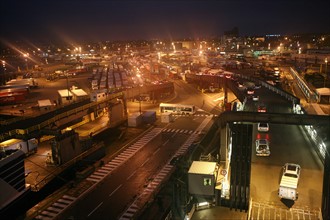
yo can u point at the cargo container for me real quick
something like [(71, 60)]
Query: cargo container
[(134, 120), (167, 117), (149, 117)]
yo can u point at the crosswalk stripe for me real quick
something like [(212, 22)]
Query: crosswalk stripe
[(93, 180), (132, 210), (50, 208), (64, 201), (108, 167), (48, 213), (100, 173), (43, 217), (103, 171), (59, 205), (69, 197), (95, 176)]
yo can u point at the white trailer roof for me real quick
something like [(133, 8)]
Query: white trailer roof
[(289, 182), (202, 167), (44, 103), (64, 93), (79, 92)]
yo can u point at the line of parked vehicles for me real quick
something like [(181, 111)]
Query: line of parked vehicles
[(288, 188)]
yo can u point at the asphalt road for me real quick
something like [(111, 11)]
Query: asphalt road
[(110, 198)]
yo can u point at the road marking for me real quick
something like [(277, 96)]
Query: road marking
[(156, 151), (115, 190), (131, 175), (144, 162), (165, 142), (95, 209)]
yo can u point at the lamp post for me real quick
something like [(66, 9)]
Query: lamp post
[(4, 66), (326, 73), (140, 107), (67, 85), (26, 55)]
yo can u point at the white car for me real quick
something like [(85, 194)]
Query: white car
[(263, 127), (262, 147)]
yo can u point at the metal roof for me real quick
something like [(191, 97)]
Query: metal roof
[(202, 167)]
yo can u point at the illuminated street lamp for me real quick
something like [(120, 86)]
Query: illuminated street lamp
[(26, 55), (4, 66), (326, 73)]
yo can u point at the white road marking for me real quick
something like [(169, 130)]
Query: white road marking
[(156, 151), (95, 209), (115, 190), (131, 175), (165, 142), (144, 162)]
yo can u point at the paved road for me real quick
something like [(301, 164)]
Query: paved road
[(133, 172)]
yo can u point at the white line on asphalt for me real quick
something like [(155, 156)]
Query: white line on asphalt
[(115, 190), (131, 175), (144, 162), (95, 209), (165, 142), (156, 151)]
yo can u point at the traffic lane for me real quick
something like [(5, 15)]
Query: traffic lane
[(140, 177), (273, 102), (189, 122), (287, 144), (122, 196), (119, 177)]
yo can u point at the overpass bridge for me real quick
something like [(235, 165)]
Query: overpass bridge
[(273, 118)]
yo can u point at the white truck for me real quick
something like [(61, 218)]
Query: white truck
[(289, 182)]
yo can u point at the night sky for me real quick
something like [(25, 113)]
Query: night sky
[(95, 20)]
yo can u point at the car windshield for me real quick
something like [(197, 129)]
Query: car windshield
[(291, 167), (262, 147), (263, 125)]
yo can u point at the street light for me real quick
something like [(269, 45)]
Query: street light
[(4, 66), (326, 73), (26, 55)]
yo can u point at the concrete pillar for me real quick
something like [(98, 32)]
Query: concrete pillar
[(224, 145)]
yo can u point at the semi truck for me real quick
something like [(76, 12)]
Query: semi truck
[(28, 147), (289, 182)]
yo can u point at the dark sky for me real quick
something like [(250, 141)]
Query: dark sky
[(95, 20)]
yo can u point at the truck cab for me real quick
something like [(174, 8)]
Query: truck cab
[(289, 182)]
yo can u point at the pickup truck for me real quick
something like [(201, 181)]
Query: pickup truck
[(289, 182)]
